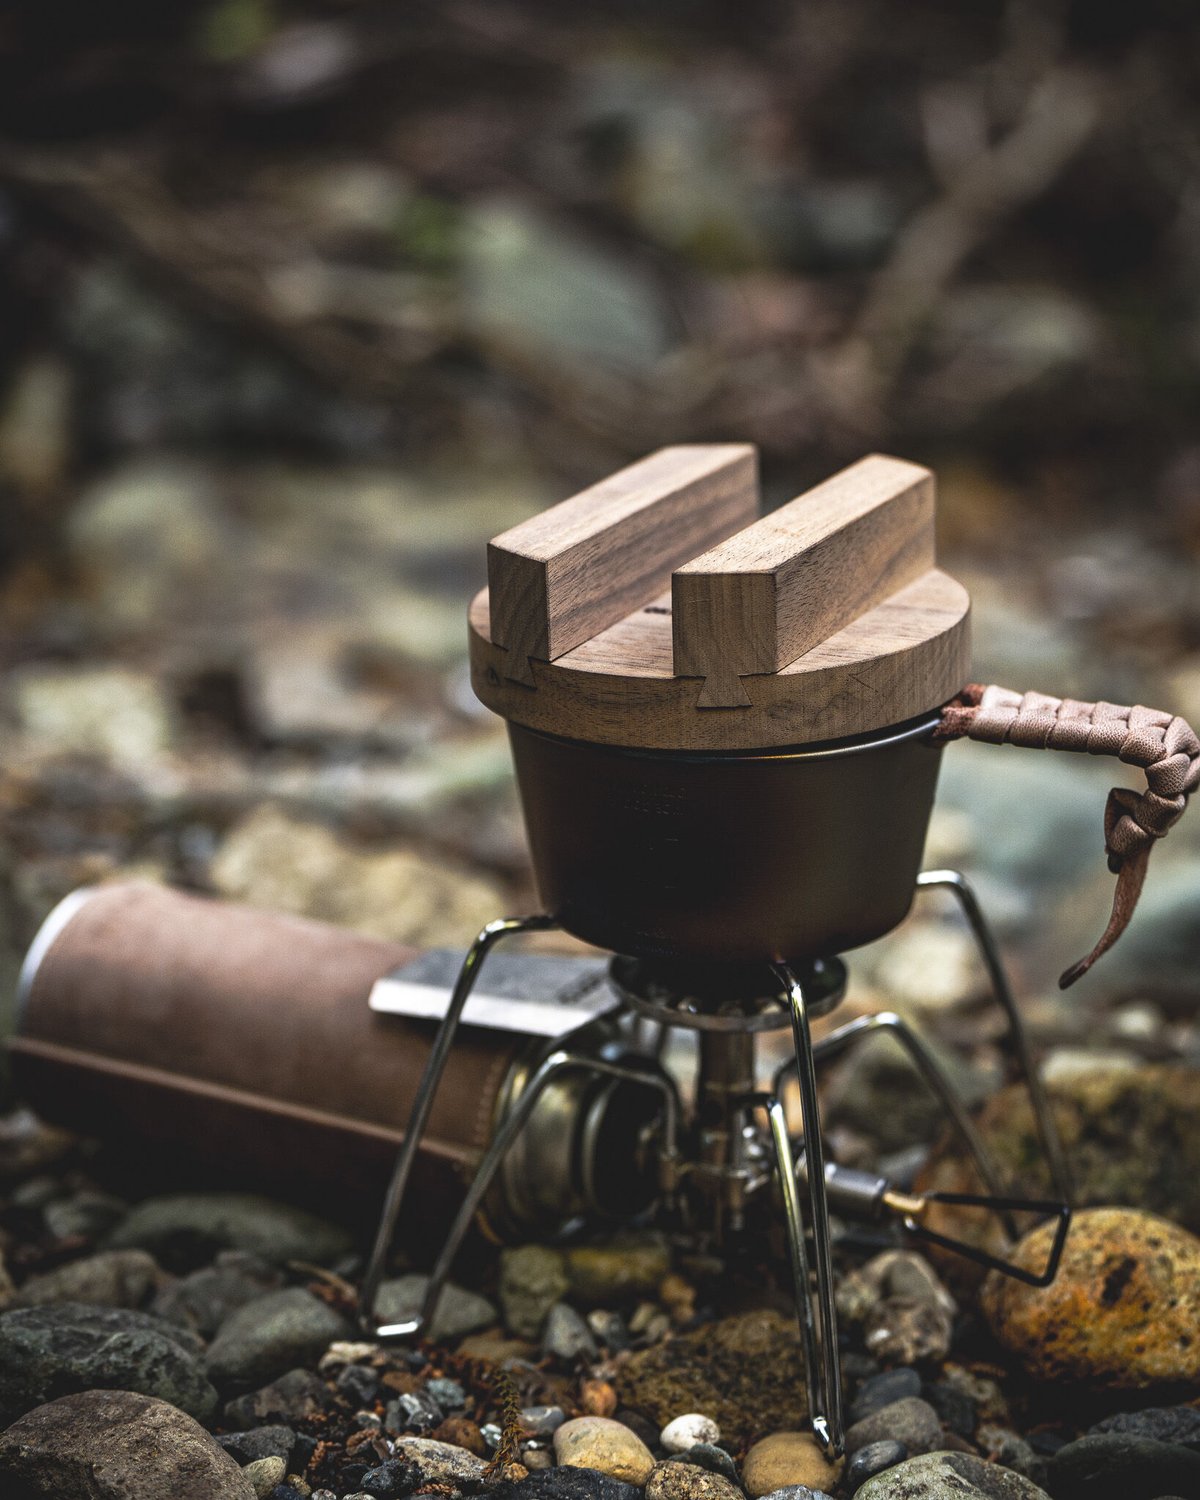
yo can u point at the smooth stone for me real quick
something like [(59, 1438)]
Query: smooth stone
[(787, 1458), (205, 1299), (532, 1279), (910, 1421), (797, 1492), (1010, 1450), (439, 1463), (259, 1442), (566, 1336), (1166, 1424), (676, 1481), (568, 1484), (459, 1311), (1122, 1312), (958, 1412), (185, 1230), (541, 1421), (603, 1444), (110, 1278), (448, 1393), (276, 1333), (715, 1460), (628, 1265), (1120, 1466), (264, 1474), (288, 1400), (881, 1390), (115, 1445), (949, 1476), (874, 1459), (48, 1351), (685, 1432)]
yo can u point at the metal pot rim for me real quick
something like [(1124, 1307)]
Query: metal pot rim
[(893, 734)]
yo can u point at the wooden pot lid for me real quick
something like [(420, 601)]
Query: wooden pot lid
[(659, 610)]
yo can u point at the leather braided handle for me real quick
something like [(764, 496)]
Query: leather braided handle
[(1163, 745)]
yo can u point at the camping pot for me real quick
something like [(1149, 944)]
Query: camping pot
[(789, 854)]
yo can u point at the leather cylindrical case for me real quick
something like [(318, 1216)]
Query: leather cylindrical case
[(237, 1045)]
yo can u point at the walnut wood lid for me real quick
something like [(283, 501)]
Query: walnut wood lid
[(658, 610)]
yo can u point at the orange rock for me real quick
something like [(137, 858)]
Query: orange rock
[(597, 1398), (1123, 1312)]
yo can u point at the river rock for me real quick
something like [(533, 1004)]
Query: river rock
[(1120, 1466), (788, 1458), (115, 1445), (264, 1474), (440, 1463), (682, 1433), (288, 1400), (746, 1372), (910, 1421), (532, 1280), (277, 1332), (186, 1230), (600, 1443), (676, 1481), (1132, 1138), (568, 1484), (459, 1311), (620, 1268), (566, 1336), (45, 1351), (1166, 1424), (874, 1459), (878, 1391), (1122, 1312), (949, 1476), (260, 1442), (205, 1299), (111, 1278)]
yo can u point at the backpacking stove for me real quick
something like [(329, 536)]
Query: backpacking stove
[(726, 732)]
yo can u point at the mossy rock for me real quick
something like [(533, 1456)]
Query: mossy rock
[(746, 1372)]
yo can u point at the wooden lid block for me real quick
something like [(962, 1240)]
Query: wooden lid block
[(762, 598), (563, 576), (656, 611)]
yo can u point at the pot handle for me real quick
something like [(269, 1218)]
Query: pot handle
[(1162, 744)]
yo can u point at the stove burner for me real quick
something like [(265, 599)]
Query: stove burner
[(722, 997)]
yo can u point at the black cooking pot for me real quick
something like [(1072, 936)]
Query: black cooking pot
[(783, 854)]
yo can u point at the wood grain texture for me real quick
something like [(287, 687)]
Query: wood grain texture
[(763, 597), (561, 577), (904, 658)]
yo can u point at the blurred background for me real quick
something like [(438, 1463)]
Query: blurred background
[(301, 302)]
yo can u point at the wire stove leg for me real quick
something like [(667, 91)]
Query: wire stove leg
[(423, 1103)]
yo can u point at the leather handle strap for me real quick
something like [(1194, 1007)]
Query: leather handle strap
[(1163, 745)]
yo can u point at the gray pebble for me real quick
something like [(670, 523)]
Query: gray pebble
[(881, 1390), (949, 1476), (264, 1474), (448, 1394), (566, 1336), (873, 1459), (259, 1442), (542, 1421), (1122, 1466), (715, 1460), (910, 1421), (273, 1334), (1166, 1424)]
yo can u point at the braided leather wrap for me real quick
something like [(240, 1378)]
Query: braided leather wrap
[(1163, 745)]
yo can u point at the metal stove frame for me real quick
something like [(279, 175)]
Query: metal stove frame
[(853, 1193)]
